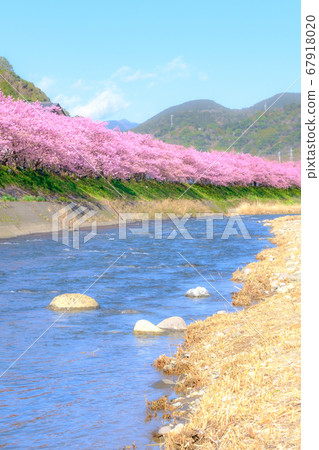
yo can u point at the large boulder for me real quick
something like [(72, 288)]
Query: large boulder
[(73, 302), (146, 327), (172, 323), (197, 292)]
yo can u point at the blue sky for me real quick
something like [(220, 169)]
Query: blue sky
[(113, 60)]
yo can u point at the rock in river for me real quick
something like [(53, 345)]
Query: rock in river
[(164, 430), (173, 323), (197, 292), (73, 302), (146, 327)]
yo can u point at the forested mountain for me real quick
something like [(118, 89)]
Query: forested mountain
[(11, 84), (205, 124)]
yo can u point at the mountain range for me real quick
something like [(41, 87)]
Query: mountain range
[(205, 124), (122, 125), (266, 128)]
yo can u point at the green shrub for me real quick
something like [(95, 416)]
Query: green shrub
[(28, 198), (62, 199), (32, 198), (8, 198)]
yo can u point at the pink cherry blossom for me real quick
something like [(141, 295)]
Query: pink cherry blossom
[(35, 138)]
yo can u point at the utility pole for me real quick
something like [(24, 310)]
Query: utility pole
[(279, 158), (172, 115), (291, 155), (265, 107)]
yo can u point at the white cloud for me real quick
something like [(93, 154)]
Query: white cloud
[(81, 85), (45, 83), (106, 102), (127, 74), (66, 101), (177, 67)]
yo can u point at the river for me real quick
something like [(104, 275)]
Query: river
[(83, 383)]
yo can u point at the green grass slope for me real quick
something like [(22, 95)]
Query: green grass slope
[(18, 184)]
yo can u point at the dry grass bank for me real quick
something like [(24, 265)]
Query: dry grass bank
[(183, 206), (244, 368), (275, 207), (178, 206)]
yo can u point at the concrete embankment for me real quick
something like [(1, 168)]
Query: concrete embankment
[(239, 373), (21, 218)]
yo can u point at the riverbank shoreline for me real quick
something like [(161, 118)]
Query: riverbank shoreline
[(27, 218), (239, 373), (22, 218)]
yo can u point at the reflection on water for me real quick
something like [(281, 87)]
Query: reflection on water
[(83, 384)]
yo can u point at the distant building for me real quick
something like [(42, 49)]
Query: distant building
[(59, 110)]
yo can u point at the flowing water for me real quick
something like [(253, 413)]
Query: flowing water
[(83, 383)]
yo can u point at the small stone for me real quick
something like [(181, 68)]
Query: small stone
[(146, 327), (167, 381), (197, 292), (164, 430), (163, 384), (173, 323)]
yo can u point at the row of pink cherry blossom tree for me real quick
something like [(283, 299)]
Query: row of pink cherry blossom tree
[(37, 138)]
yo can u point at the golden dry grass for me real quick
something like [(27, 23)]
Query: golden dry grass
[(183, 206), (162, 404), (248, 363), (179, 207), (275, 207)]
